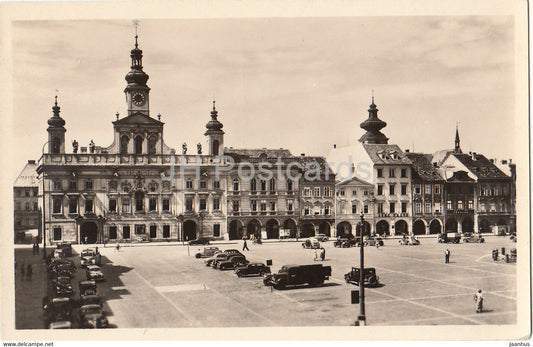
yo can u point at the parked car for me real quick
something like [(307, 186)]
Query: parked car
[(87, 288), (449, 237), (92, 316), (141, 238), (232, 262), (314, 275), (91, 300), (513, 237), (87, 252), (58, 254), (200, 241), (311, 244), (66, 247), (62, 270), (252, 269), (370, 278), (322, 237), (207, 252), (57, 309), (473, 238), (63, 286), (94, 273), (373, 240), (409, 240), (346, 241), (56, 262), (227, 257)]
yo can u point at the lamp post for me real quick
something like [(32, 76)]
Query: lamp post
[(361, 320), (44, 209)]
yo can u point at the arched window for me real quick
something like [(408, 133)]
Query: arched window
[(215, 147), (272, 184), (124, 140), (139, 144), (235, 184), (253, 185), (152, 140), (56, 145)]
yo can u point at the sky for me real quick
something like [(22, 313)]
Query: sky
[(299, 83)]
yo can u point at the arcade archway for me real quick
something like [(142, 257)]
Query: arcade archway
[(89, 232), (401, 228), (254, 228), (290, 225), (382, 228), (236, 231), (324, 228), (189, 230), (307, 230), (344, 228), (468, 225), (419, 227), (435, 227), (451, 225), (272, 229)]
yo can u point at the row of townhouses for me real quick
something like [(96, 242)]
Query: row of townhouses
[(140, 188)]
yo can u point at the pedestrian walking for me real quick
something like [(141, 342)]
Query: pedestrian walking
[(322, 253), (244, 245), (478, 300), (34, 249), (316, 255), (29, 271), (37, 248), (22, 270), (117, 248), (447, 256)]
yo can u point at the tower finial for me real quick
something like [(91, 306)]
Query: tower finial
[(214, 108), (372, 95), (56, 100), (457, 140), (136, 25)]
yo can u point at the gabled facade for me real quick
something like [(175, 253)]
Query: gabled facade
[(26, 215), (354, 197)]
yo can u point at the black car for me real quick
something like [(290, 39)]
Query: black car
[(63, 286), (369, 276), (200, 241), (252, 269), (57, 309), (92, 316)]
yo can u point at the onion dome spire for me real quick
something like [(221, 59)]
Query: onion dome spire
[(56, 121), (373, 125), (136, 76), (214, 125)]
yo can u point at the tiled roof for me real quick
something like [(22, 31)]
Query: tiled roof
[(423, 168), (256, 153), (321, 161), (386, 154), (28, 176), (481, 167)]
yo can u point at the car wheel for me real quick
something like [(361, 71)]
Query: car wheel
[(197, 255), (239, 274), (280, 284), (372, 280)]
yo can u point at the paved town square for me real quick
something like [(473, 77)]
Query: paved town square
[(164, 285)]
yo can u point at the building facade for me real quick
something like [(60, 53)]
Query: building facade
[(354, 197), (27, 216)]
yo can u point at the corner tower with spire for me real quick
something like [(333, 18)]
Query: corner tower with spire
[(373, 125), (457, 141), (56, 131), (215, 134), (137, 92)]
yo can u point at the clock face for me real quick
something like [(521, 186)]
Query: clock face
[(138, 99)]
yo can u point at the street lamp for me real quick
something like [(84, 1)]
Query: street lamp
[(361, 320), (44, 209)]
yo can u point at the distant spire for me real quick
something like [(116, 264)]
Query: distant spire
[(214, 108), (136, 24), (457, 140), (372, 95)]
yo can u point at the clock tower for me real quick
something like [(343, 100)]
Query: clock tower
[(137, 92)]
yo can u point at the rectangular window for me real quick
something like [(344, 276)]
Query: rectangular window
[(235, 185), (327, 192), (166, 205), (427, 189), (392, 172), (326, 210), (263, 206), (139, 204), (449, 205), (189, 204), (404, 189), (289, 185), (236, 206), (306, 211), (391, 188), (380, 207), (112, 232), (253, 204), (272, 185), (263, 185), (140, 229), (188, 184), (126, 205), (203, 204), (112, 205), (57, 185), (437, 189), (73, 185), (203, 184), (166, 231), (36, 206), (272, 206), (88, 205), (354, 208), (460, 205), (418, 207), (73, 205), (56, 205), (341, 192), (307, 191), (437, 207), (365, 209), (470, 204), (354, 192), (153, 231), (403, 173), (417, 189), (152, 204), (216, 230), (126, 232), (289, 205), (317, 191), (427, 207), (380, 189), (392, 207), (57, 234), (380, 172), (216, 204), (88, 185), (216, 184), (404, 207)]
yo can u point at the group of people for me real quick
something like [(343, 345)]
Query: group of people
[(320, 255), (25, 271)]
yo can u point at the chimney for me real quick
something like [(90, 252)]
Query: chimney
[(302, 154), (492, 161), (31, 161), (512, 167), (407, 150), (334, 145), (474, 156)]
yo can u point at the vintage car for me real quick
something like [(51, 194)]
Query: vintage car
[(57, 309), (66, 247), (227, 257), (449, 237), (64, 324), (61, 270), (473, 238), (232, 262), (200, 241), (370, 278), (56, 262), (87, 252), (58, 254), (63, 286), (513, 237), (207, 252), (252, 269), (346, 241), (94, 273), (91, 260), (409, 240), (92, 316), (311, 244), (87, 288), (322, 237), (373, 240), (141, 238), (291, 275), (91, 300)]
